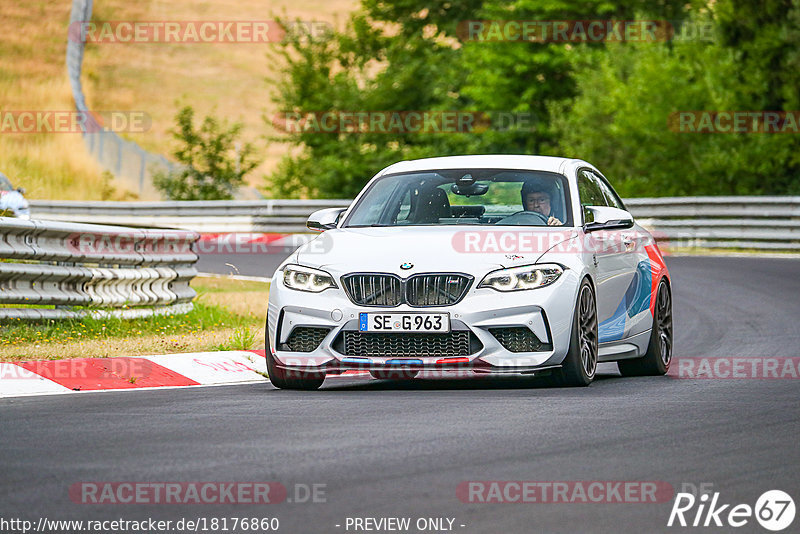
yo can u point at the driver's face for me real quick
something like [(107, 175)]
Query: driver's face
[(538, 201)]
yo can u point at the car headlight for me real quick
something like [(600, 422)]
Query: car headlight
[(525, 277), (306, 279)]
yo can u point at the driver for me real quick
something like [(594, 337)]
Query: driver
[(536, 197)]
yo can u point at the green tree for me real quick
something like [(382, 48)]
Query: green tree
[(210, 167), (367, 68), (628, 95), (606, 102), (529, 77)]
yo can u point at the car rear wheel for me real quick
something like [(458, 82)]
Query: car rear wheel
[(659, 352), (580, 365), (288, 379)]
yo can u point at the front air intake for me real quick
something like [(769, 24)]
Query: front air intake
[(407, 345), (306, 338), (519, 339)]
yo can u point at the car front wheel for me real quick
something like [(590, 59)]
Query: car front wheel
[(580, 365), (289, 379)]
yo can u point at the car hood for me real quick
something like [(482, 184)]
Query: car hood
[(468, 249)]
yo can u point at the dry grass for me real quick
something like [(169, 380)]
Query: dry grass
[(243, 298), (247, 301), (33, 78), (229, 80)]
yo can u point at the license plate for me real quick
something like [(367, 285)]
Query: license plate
[(404, 322)]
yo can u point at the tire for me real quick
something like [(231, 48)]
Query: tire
[(659, 351), (580, 365), (400, 374), (284, 379)]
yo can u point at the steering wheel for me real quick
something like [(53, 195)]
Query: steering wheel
[(524, 218)]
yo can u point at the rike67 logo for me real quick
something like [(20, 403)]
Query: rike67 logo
[(774, 510)]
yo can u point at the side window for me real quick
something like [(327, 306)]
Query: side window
[(589, 190), (590, 193), (611, 196)]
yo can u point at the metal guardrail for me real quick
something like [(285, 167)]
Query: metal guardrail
[(207, 216), (762, 223), (104, 270)]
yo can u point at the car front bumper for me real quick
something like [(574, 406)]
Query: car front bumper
[(547, 312)]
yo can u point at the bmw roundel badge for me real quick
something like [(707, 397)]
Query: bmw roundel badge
[(406, 266)]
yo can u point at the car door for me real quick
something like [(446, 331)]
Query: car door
[(638, 292), (615, 266)]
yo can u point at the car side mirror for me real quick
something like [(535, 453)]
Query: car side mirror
[(326, 219), (21, 190), (606, 218)]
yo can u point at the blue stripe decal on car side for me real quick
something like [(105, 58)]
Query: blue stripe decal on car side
[(612, 328), (641, 297), (635, 301)]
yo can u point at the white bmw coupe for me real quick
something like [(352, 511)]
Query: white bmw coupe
[(478, 264)]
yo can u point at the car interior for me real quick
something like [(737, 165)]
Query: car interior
[(430, 203)]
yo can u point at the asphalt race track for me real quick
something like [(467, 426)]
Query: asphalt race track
[(396, 449), (262, 265)]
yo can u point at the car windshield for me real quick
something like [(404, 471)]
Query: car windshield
[(464, 196)]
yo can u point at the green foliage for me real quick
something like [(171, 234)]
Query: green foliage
[(364, 69), (210, 167), (608, 103), (243, 338), (201, 318), (620, 120), (531, 76)]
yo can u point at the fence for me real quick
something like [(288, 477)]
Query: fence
[(126, 160), (208, 216), (101, 270), (762, 223)]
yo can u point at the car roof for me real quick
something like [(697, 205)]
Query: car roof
[(488, 161)]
